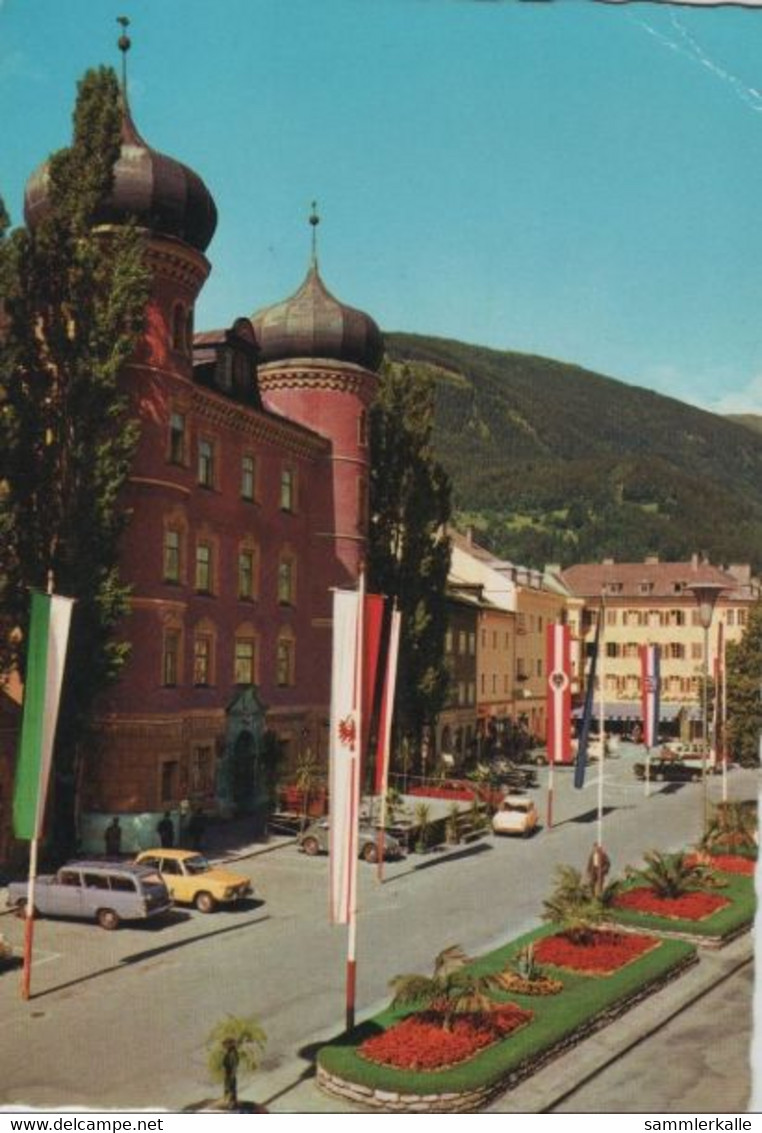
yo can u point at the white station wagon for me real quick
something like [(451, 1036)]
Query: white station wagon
[(106, 892)]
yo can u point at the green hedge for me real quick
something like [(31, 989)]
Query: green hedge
[(725, 922), (556, 1018)]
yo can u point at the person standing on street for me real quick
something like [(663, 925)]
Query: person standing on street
[(113, 839), (166, 831)]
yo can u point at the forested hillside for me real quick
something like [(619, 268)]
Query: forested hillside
[(553, 463)]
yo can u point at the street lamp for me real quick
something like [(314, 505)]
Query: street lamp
[(706, 595)]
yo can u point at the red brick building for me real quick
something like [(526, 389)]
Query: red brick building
[(248, 501)]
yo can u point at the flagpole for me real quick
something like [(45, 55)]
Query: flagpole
[(602, 724), (724, 714), (351, 981)]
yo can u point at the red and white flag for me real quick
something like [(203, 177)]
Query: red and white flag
[(356, 639), (558, 651), (650, 665)]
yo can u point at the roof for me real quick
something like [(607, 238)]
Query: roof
[(312, 323), (645, 580)]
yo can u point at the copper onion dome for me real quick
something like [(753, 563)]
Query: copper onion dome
[(314, 324), (159, 193)]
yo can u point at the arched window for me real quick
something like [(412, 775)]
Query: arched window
[(285, 659)]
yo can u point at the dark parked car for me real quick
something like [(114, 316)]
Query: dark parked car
[(670, 770), (314, 840)]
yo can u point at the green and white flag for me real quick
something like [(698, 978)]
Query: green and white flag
[(48, 634)]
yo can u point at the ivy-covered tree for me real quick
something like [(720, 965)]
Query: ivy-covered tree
[(744, 680), (409, 551), (74, 297)]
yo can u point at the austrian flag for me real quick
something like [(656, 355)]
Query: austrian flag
[(649, 692)]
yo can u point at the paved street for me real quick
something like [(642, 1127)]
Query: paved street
[(120, 1018)]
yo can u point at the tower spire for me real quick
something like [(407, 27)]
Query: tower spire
[(124, 43), (314, 221)]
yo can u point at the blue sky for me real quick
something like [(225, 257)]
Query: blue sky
[(572, 179)]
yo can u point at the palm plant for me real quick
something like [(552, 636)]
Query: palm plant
[(733, 826), (452, 990), (422, 814), (671, 875), (234, 1047), (575, 908)]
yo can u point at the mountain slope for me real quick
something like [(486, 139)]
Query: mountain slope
[(553, 462)]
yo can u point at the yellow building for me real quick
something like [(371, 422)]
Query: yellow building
[(653, 603)]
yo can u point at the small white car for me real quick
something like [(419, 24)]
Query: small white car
[(517, 815)]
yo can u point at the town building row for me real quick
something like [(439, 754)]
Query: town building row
[(248, 498)]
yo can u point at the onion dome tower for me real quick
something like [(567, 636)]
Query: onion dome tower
[(175, 208), (317, 365)]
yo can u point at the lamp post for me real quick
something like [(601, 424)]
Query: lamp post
[(706, 595)]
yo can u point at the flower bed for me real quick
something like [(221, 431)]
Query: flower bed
[(733, 911), (733, 863), (584, 1005), (694, 906), (726, 863), (602, 954), (421, 1042)]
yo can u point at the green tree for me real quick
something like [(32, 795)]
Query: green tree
[(74, 301), (744, 680), (409, 551)]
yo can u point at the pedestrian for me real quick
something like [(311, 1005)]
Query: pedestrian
[(113, 839), (166, 831), (598, 866), (196, 828)]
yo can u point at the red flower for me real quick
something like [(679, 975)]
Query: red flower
[(604, 952), (421, 1043), (693, 906), (730, 863)]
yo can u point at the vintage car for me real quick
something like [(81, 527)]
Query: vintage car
[(669, 770), (106, 892), (191, 880), (517, 815), (314, 840)]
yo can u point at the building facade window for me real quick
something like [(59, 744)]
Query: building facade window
[(285, 660), (202, 769), (288, 489), (172, 560), (287, 580), (177, 438), (247, 574), (245, 662), (248, 477), (362, 428), (170, 664), (203, 647), (204, 568), (206, 463)]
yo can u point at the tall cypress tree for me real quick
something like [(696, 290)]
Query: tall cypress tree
[(744, 682), (409, 551), (74, 297)]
